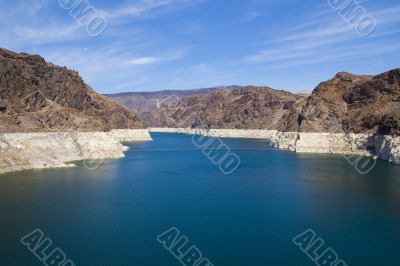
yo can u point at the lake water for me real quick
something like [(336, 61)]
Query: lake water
[(112, 216)]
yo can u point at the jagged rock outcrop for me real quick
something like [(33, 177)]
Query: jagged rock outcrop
[(243, 108), (345, 104), (388, 148), (374, 105), (350, 104), (37, 96)]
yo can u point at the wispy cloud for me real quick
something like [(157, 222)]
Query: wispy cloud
[(157, 44), (148, 60), (144, 7), (48, 34), (143, 61), (329, 39), (363, 52)]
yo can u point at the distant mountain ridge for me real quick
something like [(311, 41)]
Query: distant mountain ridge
[(347, 103), (149, 101), (37, 96), (242, 108)]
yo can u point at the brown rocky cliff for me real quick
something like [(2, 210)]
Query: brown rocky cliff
[(242, 108), (325, 108), (39, 96), (374, 105), (347, 103), (142, 102), (351, 104)]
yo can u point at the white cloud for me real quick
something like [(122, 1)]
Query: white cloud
[(143, 61), (148, 60)]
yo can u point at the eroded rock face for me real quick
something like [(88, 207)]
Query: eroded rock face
[(345, 104), (243, 108), (326, 107), (39, 96), (350, 104), (374, 106), (142, 102)]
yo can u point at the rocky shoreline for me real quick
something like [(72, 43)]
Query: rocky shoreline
[(23, 151), (381, 147)]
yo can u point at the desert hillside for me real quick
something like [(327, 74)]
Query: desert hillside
[(352, 104), (38, 96), (347, 103), (242, 108), (148, 101)]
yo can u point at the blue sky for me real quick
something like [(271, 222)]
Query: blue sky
[(185, 44)]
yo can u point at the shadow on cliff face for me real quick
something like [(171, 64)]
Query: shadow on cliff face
[(389, 126)]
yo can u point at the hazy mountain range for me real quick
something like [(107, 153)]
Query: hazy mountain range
[(148, 101)]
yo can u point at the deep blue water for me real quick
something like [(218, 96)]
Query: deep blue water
[(113, 215)]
